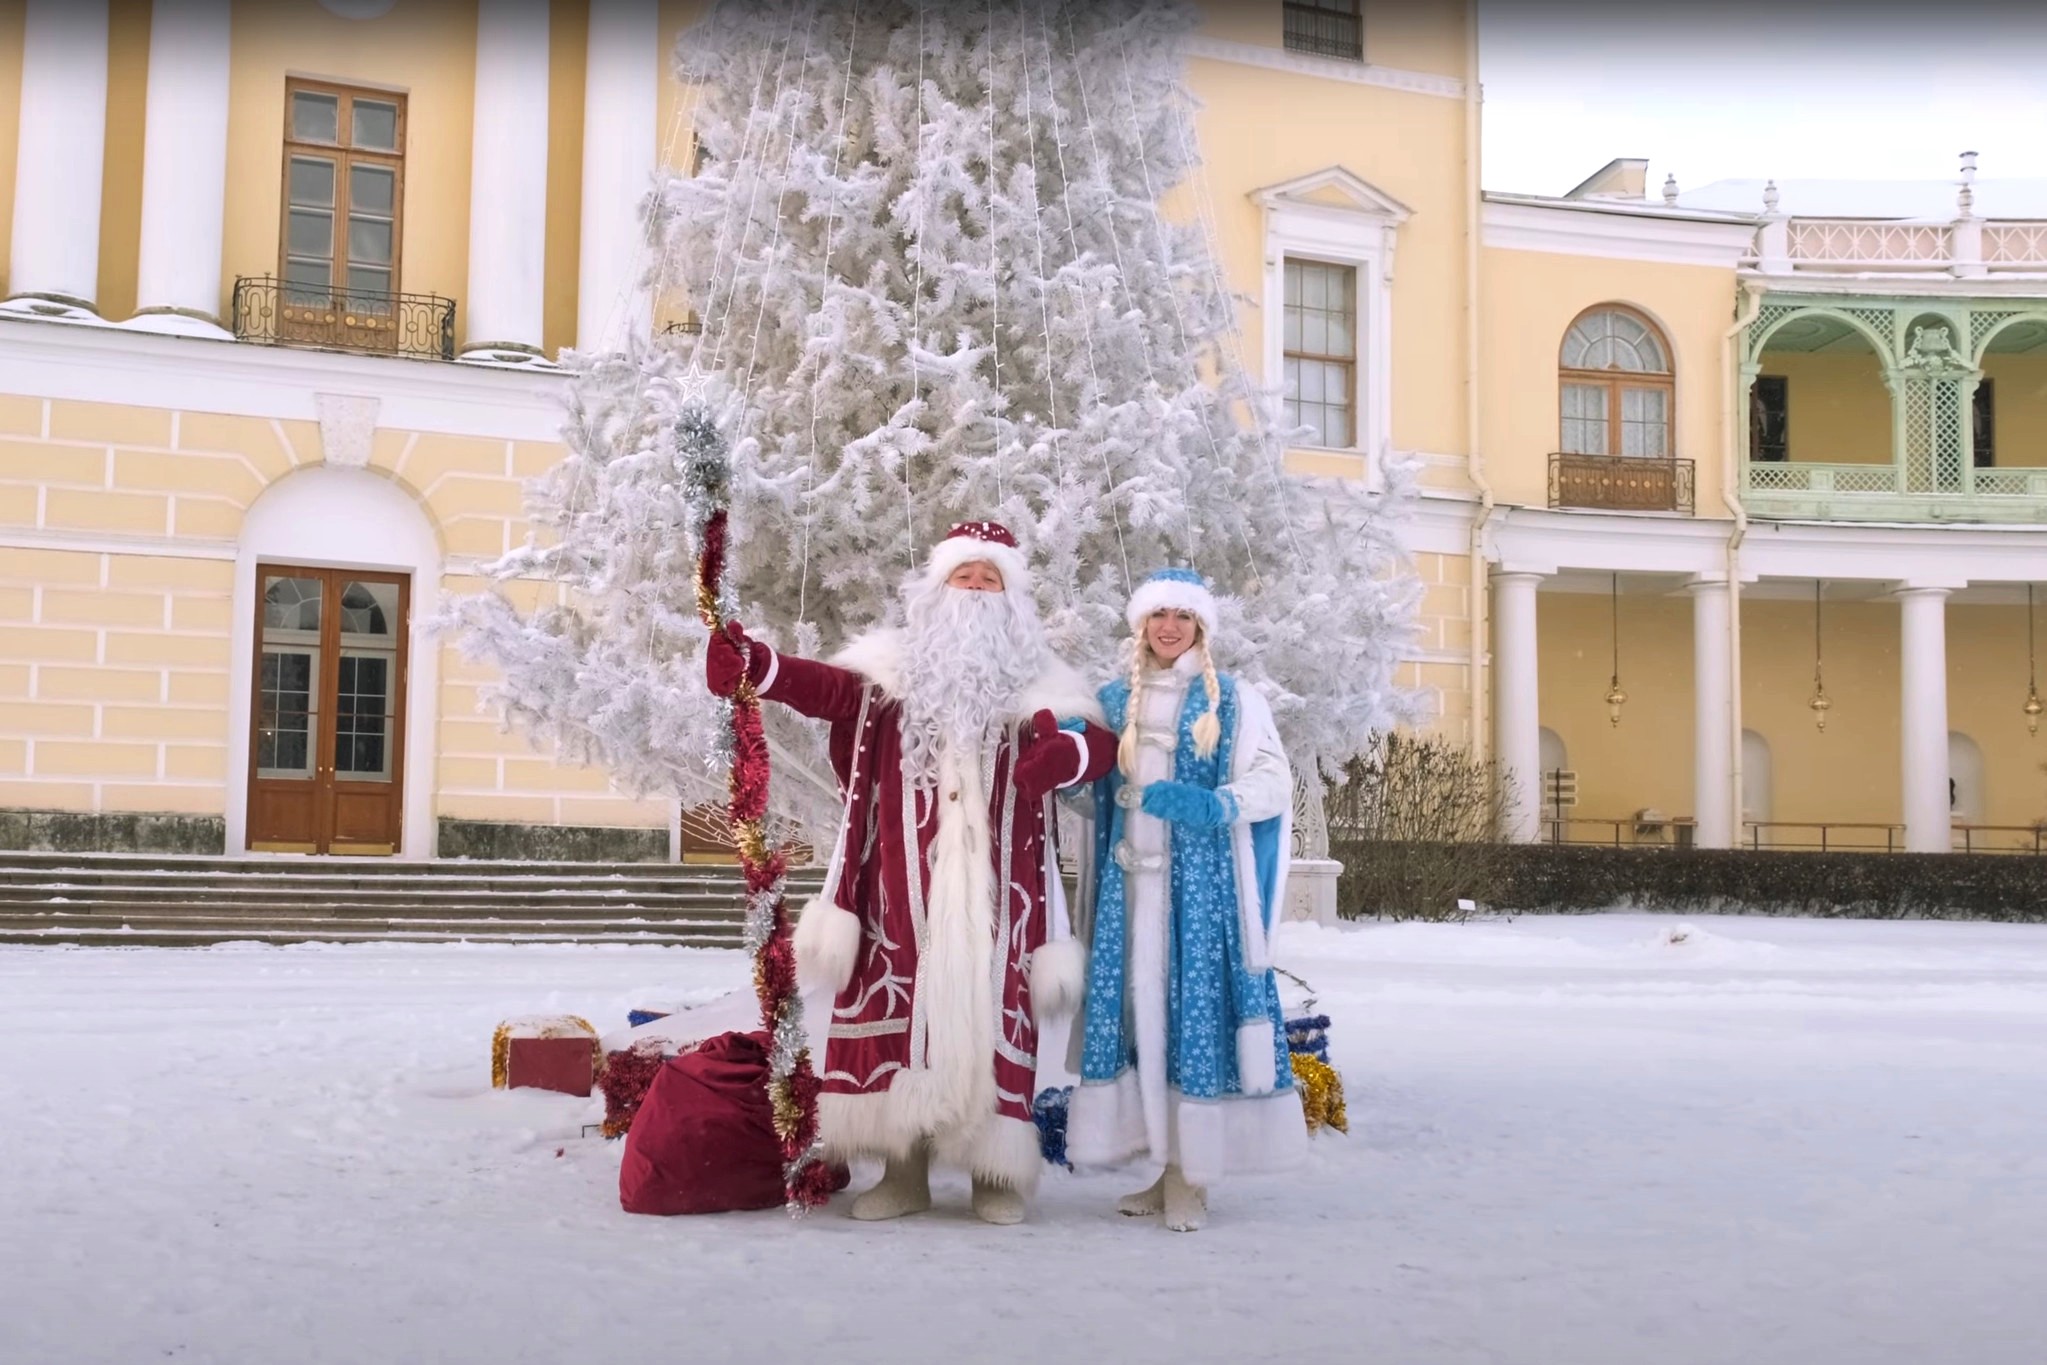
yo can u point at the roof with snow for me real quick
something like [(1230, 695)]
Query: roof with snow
[(1927, 199)]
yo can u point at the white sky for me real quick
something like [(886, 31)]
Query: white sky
[(1798, 89)]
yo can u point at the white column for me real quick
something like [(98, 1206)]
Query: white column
[(508, 183), (620, 111), (1922, 643), (55, 256), (1714, 801), (184, 170), (1517, 717)]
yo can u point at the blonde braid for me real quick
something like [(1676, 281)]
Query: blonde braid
[(1208, 731), (1126, 746)]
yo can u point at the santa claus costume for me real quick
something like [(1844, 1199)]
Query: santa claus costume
[(949, 735), (1183, 1056)]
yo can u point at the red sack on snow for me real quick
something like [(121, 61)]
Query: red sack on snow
[(703, 1140)]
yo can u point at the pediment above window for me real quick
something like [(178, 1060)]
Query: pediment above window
[(1335, 189)]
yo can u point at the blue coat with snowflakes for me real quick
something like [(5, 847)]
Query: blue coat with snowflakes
[(1182, 1047)]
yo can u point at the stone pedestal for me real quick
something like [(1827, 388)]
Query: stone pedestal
[(1311, 890)]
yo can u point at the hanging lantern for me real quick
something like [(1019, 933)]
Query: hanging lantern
[(1818, 703), (1616, 696), (2034, 706)]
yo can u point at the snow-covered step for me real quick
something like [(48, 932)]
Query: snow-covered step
[(130, 898)]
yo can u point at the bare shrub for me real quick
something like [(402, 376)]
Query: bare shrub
[(1415, 820)]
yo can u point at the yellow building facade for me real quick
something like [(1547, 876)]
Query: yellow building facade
[(1651, 431)]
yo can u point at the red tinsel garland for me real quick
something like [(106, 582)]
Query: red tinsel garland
[(793, 1096)]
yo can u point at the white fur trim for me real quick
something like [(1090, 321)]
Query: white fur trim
[(1207, 1139), (1165, 594), (950, 553), (1256, 1057), (827, 945), (774, 668), (877, 656), (1058, 979), (1079, 743), (954, 991), (999, 1150)]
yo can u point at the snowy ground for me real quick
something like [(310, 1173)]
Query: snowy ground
[(1573, 1142)]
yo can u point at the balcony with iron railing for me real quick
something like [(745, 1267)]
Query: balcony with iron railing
[(1620, 483), (273, 312)]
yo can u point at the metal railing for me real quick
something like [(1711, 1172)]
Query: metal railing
[(1629, 832), (272, 312), (1620, 483), (1830, 836), (1803, 836)]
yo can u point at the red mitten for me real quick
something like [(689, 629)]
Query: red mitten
[(726, 659), (1049, 759)]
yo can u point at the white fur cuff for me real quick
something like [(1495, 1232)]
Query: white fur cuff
[(827, 945), (1058, 978), (1256, 1058)]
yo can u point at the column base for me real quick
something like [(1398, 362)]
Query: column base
[(178, 322), (52, 307), (505, 353), (1311, 891)]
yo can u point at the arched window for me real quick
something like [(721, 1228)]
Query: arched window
[(1615, 386)]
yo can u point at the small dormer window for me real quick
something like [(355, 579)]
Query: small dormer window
[(1325, 28)]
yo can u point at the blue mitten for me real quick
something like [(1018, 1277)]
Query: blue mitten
[(1183, 803)]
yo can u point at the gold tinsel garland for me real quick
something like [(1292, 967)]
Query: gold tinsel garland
[(501, 1042), (1321, 1093)]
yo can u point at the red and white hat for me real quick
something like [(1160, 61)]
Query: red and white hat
[(980, 540)]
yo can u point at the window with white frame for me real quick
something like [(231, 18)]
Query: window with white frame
[(1321, 351)]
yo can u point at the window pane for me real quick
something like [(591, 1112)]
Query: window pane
[(1311, 382), (1290, 324), (315, 117), (369, 240), (1584, 426), (1315, 332), (291, 603), (312, 182), (307, 282), (370, 189), (376, 125), (362, 280), (369, 609), (1340, 340), (1645, 422), (1293, 283), (311, 233)]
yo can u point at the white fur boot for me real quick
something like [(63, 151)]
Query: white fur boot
[(905, 1188), (998, 1204), (1186, 1205), (1145, 1203)]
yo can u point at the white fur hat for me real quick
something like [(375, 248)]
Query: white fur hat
[(989, 541), (1173, 590)]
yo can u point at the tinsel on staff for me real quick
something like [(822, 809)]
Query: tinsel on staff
[(704, 459)]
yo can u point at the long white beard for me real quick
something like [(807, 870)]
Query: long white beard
[(969, 657)]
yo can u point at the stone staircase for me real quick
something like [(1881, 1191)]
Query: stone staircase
[(144, 900)]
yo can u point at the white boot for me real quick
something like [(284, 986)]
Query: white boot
[(1145, 1203), (1186, 1205), (998, 1204), (905, 1188)]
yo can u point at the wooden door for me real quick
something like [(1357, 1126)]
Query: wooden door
[(327, 723)]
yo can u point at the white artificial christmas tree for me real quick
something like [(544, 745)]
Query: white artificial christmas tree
[(935, 283)]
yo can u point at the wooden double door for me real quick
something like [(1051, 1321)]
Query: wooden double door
[(327, 729)]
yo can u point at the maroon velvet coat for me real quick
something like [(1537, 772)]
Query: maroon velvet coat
[(934, 1036)]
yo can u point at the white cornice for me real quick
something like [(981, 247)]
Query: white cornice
[(1901, 285), (86, 542), (1582, 230), (1326, 68), (117, 365)]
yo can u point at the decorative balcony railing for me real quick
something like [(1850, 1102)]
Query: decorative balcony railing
[(270, 311), (1810, 490), (1620, 483), (1968, 247)]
